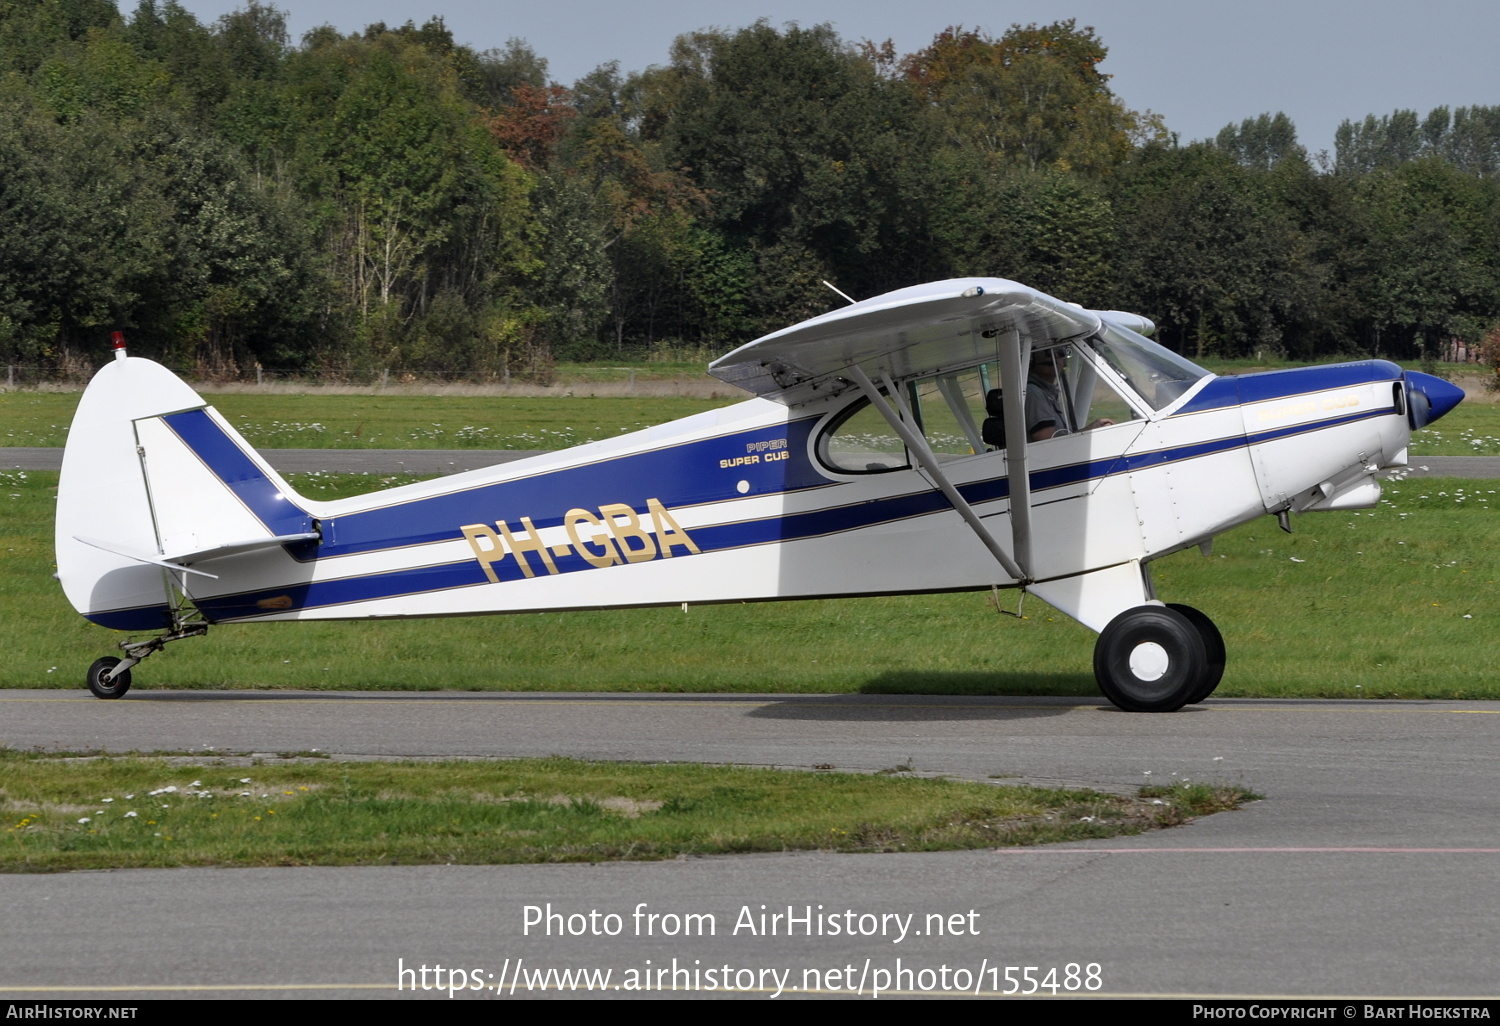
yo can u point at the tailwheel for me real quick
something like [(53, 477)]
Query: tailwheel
[(110, 677), (1213, 646), (107, 682), (1151, 659)]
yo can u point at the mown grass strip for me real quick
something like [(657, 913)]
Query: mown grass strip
[(90, 813)]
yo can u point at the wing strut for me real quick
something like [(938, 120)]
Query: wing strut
[(918, 446), (1013, 386)]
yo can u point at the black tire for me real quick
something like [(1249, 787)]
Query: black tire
[(116, 686), (1213, 647), (1150, 659)]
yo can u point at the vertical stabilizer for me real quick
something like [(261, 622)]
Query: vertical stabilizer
[(153, 479)]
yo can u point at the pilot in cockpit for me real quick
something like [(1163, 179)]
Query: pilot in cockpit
[(1047, 409)]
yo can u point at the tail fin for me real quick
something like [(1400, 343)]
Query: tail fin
[(153, 481)]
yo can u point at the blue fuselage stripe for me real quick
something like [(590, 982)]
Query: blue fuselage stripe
[(138, 618), (721, 537)]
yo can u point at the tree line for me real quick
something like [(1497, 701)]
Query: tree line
[(390, 199)]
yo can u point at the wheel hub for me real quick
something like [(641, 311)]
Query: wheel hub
[(1149, 661)]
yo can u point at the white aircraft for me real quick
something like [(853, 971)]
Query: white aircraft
[(965, 434)]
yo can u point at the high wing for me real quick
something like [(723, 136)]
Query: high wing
[(914, 331), (925, 329)]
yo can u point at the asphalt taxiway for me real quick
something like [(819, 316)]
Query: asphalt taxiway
[(1365, 871)]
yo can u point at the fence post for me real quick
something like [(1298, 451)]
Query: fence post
[(10, 376)]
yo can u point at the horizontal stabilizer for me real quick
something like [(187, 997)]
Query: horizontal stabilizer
[(140, 557), (236, 547), (183, 560)]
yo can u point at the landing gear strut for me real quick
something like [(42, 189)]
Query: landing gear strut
[(1158, 658), (110, 677)]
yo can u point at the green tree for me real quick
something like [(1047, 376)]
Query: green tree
[(404, 180), (1209, 252), (572, 283), (1427, 265), (101, 72), (1033, 98), (66, 267), (31, 31), (1473, 142), (1260, 142), (1051, 229), (194, 60), (1468, 138), (811, 160), (672, 275), (501, 71), (238, 286)]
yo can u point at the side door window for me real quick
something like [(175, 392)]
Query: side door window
[(950, 410), (961, 413), (859, 441), (1066, 394)]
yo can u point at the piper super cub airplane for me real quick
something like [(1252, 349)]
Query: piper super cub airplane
[(963, 434)]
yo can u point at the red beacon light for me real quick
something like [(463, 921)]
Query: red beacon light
[(117, 342)]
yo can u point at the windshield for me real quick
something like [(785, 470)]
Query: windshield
[(1156, 373)]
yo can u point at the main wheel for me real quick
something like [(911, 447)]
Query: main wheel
[(1150, 659), (1213, 647), (115, 686)]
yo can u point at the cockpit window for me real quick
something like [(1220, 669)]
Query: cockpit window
[(1158, 375), (859, 441), (947, 410), (961, 413), (1065, 394), (950, 410)]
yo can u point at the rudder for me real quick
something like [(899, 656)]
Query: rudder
[(153, 479)]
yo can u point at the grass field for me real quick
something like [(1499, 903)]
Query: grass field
[(321, 421), (315, 421), (1395, 602), (95, 813)]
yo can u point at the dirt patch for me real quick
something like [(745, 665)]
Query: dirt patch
[(630, 808), (1477, 388)]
